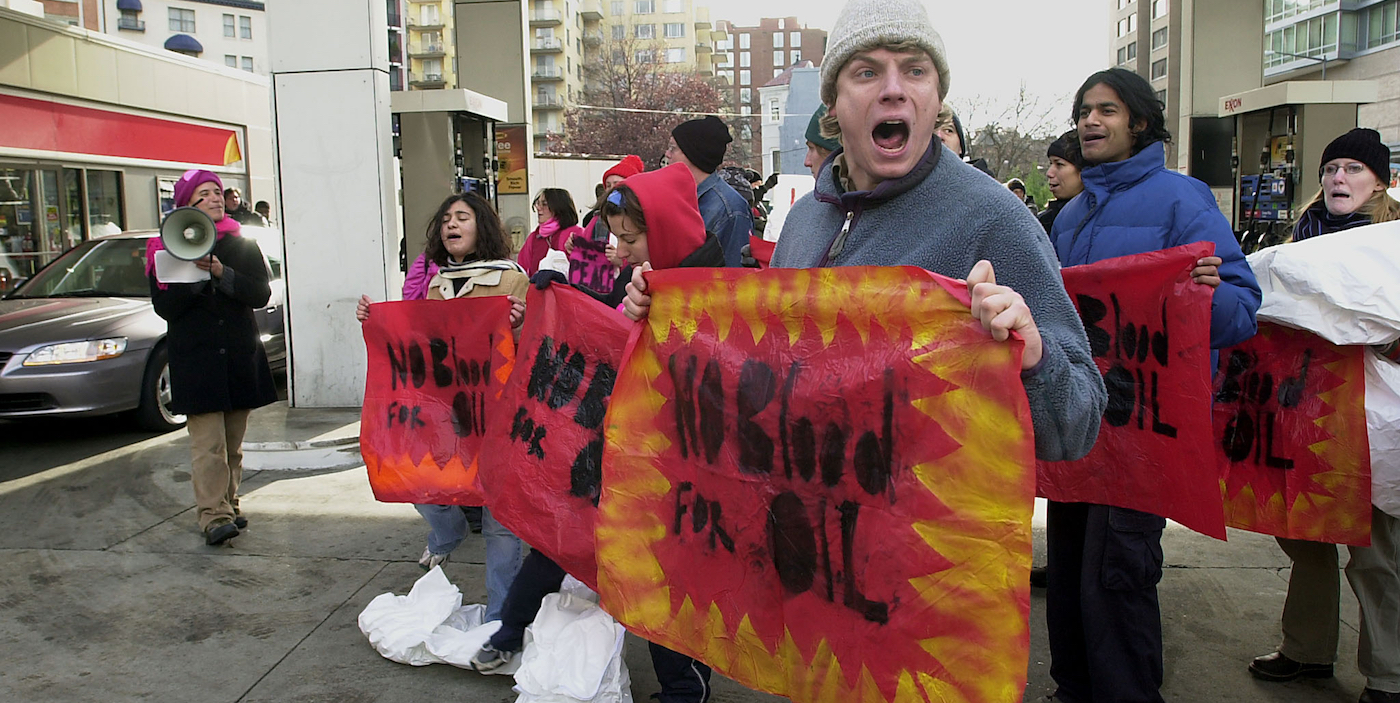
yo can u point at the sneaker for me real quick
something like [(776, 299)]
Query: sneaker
[(429, 560), (1277, 667), (240, 521), (489, 659), (220, 532)]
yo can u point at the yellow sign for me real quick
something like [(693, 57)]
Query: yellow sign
[(513, 152)]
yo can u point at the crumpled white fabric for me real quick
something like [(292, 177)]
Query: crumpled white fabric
[(573, 652), (1345, 287), (555, 260), (429, 625)]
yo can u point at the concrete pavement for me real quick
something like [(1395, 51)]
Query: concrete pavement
[(109, 593)]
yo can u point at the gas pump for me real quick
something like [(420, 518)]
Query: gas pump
[(1266, 199)]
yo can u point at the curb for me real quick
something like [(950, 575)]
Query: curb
[(301, 445)]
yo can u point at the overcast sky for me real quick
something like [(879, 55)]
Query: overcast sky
[(993, 45)]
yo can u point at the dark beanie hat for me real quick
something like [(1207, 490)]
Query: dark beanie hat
[(814, 131), (1361, 144), (962, 134), (703, 141), (1066, 147)]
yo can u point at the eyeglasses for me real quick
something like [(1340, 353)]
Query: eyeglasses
[(1351, 169)]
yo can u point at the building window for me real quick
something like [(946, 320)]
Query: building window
[(1132, 50), (675, 30), (1122, 27), (795, 40), (229, 30), (1159, 38), (1159, 8), (673, 6), (645, 31), (1381, 24), (230, 60), (181, 20), (779, 59), (744, 78), (245, 27), (644, 7), (644, 56), (1123, 3), (248, 64), (773, 112), (619, 32), (618, 7), (744, 58), (1159, 69), (744, 111), (777, 40), (1162, 98), (1122, 55), (794, 56), (743, 41), (1313, 37), (675, 56)]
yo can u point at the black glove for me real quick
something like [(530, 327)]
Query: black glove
[(746, 257), (772, 181), (544, 277)]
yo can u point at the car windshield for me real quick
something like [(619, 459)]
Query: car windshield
[(104, 267)]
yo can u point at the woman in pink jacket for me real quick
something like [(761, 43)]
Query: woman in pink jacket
[(558, 222)]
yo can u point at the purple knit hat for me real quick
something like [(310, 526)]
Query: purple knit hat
[(193, 178)]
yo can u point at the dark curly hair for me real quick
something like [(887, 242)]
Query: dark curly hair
[(1141, 101), (490, 233)]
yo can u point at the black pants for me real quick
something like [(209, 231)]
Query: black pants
[(682, 679), (1104, 621)]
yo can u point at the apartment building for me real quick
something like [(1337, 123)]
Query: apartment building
[(1346, 39), (747, 58), (428, 44), (567, 35), (228, 32)]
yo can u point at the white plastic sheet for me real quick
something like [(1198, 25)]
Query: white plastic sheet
[(573, 652), (1345, 287), (429, 625)]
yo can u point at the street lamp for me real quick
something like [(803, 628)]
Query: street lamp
[(1322, 59)]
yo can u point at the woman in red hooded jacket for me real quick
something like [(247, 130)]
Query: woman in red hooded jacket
[(656, 218)]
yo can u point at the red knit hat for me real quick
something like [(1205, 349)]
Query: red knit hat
[(629, 166), (674, 226)]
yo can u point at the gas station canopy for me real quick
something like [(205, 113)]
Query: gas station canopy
[(455, 100), (1298, 93)]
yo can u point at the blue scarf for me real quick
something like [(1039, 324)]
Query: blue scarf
[(1317, 221)]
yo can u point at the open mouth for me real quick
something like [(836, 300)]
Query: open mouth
[(1092, 138), (891, 135), (1339, 194), (452, 236)]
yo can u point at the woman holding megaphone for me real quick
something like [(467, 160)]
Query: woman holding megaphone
[(218, 369)]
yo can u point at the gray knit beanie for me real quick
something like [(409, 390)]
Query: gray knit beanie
[(868, 24)]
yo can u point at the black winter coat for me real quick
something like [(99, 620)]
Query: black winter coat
[(217, 361)]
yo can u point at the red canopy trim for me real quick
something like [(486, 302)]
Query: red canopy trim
[(49, 126)]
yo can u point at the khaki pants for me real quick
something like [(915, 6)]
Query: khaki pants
[(216, 450), (1311, 611)]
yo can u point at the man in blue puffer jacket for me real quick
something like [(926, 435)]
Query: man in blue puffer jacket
[(1104, 562)]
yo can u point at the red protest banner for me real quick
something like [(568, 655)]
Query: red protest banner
[(1149, 331), (819, 482), (1290, 431), (761, 250), (435, 369), (543, 459)]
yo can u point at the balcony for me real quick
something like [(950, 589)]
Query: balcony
[(592, 10), (131, 24), (548, 17), (592, 38), (426, 51), (548, 102), (551, 45), (547, 73), (427, 80), (703, 47), (425, 24)]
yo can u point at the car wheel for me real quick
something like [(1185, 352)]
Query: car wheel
[(155, 413)]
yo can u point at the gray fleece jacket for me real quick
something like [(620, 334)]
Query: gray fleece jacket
[(945, 216)]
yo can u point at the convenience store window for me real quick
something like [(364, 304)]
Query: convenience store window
[(47, 210)]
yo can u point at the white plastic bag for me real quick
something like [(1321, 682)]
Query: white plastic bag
[(429, 625), (555, 260), (573, 652)]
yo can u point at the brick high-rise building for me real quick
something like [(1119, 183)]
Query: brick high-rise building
[(750, 57)]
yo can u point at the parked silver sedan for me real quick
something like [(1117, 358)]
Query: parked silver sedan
[(81, 336)]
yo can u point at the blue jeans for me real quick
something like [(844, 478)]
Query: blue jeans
[(447, 526), (504, 554)]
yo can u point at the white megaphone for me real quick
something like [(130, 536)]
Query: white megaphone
[(188, 233)]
